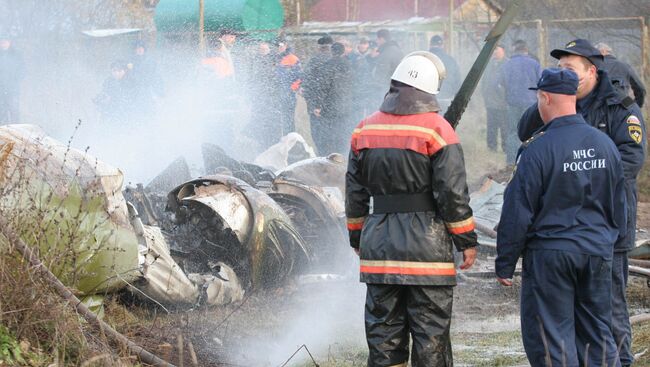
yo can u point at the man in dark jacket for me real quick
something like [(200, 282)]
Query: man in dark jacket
[(406, 160), (494, 96), (115, 101), (12, 72), (563, 210), (622, 74), (313, 84), (453, 79), (264, 125), (147, 81), (362, 73), (288, 76), (331, 131), (517, 75), (385, 61), (620, 118)]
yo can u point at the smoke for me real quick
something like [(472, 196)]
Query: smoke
[(326, 316)]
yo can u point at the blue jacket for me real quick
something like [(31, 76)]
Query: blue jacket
[(621, 119), (517, 75), (567, 193)]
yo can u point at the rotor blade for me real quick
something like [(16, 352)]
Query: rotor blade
[(460, 101)]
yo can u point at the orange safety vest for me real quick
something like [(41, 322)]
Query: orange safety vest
[(219, 65)]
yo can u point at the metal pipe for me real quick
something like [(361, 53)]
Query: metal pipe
[(347, 10), (450, 37), (641, 263), (639, 270), (202, 27), (594, 19), (298, 10), (542, 41)]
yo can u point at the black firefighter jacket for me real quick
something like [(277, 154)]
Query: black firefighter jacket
[(407, 148)]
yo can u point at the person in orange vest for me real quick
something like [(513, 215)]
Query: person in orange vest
[(216, 62), (289, 76)]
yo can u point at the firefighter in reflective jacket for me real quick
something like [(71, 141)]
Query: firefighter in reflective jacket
[(406, 202)]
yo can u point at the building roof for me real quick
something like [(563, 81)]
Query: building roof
[(377, 10)]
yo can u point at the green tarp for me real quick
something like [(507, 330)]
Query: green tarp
[(241, 15)]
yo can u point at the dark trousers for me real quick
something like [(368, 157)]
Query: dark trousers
[(512, 139), (320, 134), (395, 312), (620, 317), (565, 309), (9, 107), (287, 110), (497, 126)]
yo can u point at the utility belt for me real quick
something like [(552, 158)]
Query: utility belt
[(402, 203)]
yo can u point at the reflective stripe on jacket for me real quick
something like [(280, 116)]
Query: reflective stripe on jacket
[(408, 154)]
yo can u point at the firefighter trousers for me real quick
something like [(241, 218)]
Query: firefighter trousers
[(396, 313)]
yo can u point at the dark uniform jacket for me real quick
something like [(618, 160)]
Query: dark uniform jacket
[(621, 119), (517, 75), (567, 194), (336, 89), (385, 63), (623, 76), (312, 84), (407, 148), (494, 93), (451, 84)]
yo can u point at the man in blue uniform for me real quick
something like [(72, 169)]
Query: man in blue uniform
[(516, 75), (563, 210), (620, 118)]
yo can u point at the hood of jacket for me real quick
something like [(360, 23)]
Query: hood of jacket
[(403, 99)]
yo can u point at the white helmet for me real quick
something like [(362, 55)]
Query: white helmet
[(421, 70)]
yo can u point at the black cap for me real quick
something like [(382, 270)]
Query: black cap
[(225, 31), (435, 41), (119, 65), (325, 40), (559, 81), (338, 49), (580, 47), (139, 43)]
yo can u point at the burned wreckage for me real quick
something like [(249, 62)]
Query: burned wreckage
[(180, 240)]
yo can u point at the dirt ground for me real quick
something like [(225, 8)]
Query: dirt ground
[(326, 316)]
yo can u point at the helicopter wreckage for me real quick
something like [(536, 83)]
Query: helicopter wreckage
[(178, 241)]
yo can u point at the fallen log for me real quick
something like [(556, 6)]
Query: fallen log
[(65, 293)]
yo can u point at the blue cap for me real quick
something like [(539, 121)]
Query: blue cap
[(560, 81), (580, 47)]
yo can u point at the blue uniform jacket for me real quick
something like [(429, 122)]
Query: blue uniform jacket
[(517, 75), (623, 122), (567, 193)]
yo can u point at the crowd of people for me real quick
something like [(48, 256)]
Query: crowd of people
[(340, 83)]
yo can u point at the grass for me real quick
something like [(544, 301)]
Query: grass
[(37, 328), (641, 342)]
